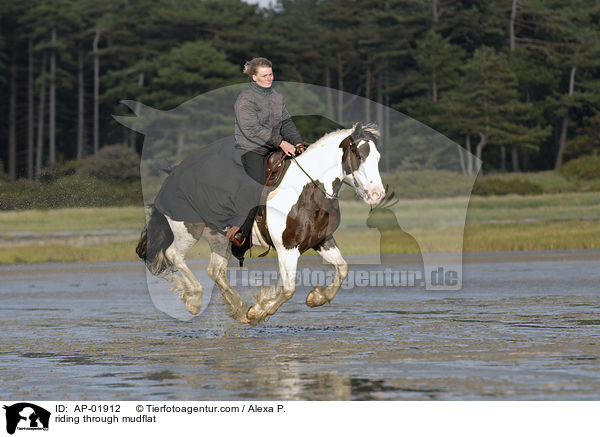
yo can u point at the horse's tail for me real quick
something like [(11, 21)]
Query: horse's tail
[(155, 238)]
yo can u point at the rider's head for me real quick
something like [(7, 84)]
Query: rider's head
[(260, 70)]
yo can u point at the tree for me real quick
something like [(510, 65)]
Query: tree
[(403, 53), (52, 23), (182, 74), (9, 65), (487, 106), (566, 34), (583, 54), (298, 59), (188, 70), (440, 61)]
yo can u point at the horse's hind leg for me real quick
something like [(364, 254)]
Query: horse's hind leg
[(330, 253), (220, 248), (185, 236)]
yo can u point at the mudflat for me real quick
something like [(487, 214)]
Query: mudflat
[(525, 326)]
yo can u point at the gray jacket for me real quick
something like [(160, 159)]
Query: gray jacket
[(262, 120)]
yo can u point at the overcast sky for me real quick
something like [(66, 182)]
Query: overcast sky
[(263, 3)]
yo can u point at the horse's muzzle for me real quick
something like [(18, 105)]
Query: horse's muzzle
[(374, 196)]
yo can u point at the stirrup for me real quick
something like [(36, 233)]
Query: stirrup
[(235, 236)]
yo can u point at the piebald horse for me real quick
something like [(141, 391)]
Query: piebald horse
[(302, 213)]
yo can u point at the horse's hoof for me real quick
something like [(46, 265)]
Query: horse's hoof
[(192, 308), (241, 317), (193, 303), (315, 298), (253, 317)]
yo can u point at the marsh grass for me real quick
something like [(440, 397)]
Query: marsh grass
[(65, 253), (72, 219), (502, 223)]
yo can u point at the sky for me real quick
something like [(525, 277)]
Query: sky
[(262, 3)]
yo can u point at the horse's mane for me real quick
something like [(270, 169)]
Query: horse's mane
[(323, 141), (370, 129)]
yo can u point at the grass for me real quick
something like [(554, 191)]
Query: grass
[(532, 236), (64, 253), (549, 207), (551, 181), (72, 219), (549, 221)]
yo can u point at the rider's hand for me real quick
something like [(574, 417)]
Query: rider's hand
[(288, 148)]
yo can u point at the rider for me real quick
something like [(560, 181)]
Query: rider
[(262, 125)]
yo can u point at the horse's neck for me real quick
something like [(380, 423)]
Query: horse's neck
[(324, 161)]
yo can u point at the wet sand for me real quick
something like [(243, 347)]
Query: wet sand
[(526, 326)]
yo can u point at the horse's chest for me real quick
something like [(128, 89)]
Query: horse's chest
[(311, 220)]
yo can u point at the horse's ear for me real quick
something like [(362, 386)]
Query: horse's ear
[(373, 129), (133, 105), (145, 115), (356, 130)]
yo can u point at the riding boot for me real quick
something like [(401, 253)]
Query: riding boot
[(246, 232)]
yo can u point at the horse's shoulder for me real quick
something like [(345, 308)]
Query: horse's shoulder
[(311, 219)]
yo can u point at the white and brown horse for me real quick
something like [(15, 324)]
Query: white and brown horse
[(302, 213)]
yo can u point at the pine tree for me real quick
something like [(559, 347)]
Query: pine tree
[(487, 106), (566, 35), (440, 61)]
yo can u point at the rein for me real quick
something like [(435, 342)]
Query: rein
[(322, 190), (333, 196)]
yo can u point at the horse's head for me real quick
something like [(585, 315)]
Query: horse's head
[(360, 161)]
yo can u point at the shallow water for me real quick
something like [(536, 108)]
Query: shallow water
[(526, 326)]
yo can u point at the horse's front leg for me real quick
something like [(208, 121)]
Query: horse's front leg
[(269, 300), (330, 253)]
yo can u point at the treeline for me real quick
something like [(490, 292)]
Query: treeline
[(516, 82)]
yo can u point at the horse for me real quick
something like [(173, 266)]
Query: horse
[(302, 213)]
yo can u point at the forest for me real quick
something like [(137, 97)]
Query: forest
[(515, 82)]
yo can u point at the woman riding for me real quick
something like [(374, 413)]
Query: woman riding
[(262, 125)]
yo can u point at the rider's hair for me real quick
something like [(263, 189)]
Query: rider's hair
[(251, 67)]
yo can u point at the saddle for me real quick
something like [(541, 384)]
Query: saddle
[(276, 165)]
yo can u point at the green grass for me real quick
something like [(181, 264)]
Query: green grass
[(546, 207), (73, 191), (72, 219), (551, 181), (549, 221), (412, 213), (532, 236), (413, 184), (64, 253)]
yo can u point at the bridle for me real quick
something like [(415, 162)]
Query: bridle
[(333, 196)]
